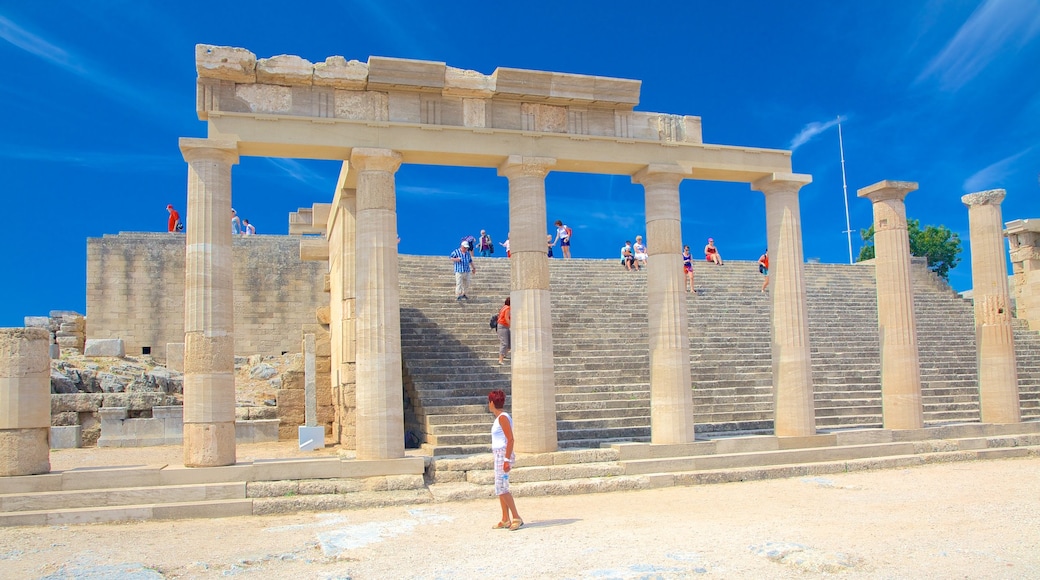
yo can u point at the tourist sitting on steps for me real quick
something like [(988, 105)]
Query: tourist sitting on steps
[(711, 253), (627, 258)]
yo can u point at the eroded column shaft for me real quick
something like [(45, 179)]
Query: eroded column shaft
[(792, 362), (380, 402), (342, 237), (533, 385), (209, 340), (897, 326), (998, 375), (25, 401), (671, 396)]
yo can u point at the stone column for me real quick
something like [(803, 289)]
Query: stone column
[(1024, 238), (671, 397), (792, 364), (380, 402), (342, 237), (533, 388), (897, 328), (25, 401), (209, 337), (998, 375)]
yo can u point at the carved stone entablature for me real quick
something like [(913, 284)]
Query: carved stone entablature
[(233, 80)]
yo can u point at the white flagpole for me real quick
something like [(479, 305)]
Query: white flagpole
[(845, 189)]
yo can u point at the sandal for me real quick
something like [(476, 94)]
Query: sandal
[(503, 525), (516, 525)]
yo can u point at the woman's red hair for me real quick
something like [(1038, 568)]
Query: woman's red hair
[(497, 398)]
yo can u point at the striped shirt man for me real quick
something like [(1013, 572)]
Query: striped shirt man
[(464, 267)]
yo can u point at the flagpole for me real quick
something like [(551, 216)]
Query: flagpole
[(845, 189)]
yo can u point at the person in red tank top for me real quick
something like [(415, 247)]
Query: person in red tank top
[(763, 267), (175, 218)]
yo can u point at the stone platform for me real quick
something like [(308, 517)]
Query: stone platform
[(111, 484)]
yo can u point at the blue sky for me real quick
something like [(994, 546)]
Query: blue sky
[(944, 93)]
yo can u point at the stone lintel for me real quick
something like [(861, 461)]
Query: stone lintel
[(885, 190), (403, 73), (988, 197), (1022, 226)]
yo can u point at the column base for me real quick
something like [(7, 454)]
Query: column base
[(25, 451), (209, 444)]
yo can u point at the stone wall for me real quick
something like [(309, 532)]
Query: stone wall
[(135, 291)]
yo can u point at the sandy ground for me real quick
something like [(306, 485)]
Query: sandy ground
[(957, 520)]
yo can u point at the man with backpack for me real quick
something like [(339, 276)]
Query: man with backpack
[(563, 235)]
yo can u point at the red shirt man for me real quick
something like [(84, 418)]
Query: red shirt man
[(174, 218)]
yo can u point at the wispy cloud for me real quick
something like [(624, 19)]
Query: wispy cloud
[(96, 159), (994, 175), (113, 86), (304, 174), (994, 26), (811, 130)]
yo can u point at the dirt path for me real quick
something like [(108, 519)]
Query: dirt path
[(957, 520)]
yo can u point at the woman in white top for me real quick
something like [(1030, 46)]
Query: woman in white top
[(640, 252), (502, 449)]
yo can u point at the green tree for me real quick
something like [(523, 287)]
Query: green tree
[(937, 243)]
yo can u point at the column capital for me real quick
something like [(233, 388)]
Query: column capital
[(374, 159), (988, 197), (886, 190), (194, 149), (781, 183), (520, 165), (660, 172)]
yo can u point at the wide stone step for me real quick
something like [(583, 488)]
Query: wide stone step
[(60, 500), (157, 511)]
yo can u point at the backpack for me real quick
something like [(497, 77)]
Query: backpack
[(570, 232), (494, 322)]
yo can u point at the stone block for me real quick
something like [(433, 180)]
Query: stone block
[(24, 451), (73, 342), (66, 437), (43, 322), (104, 347), (225, 63), (76, 403), (340, 73), (175, 356), (284, 69), (64, 419), (257, 431), (408, 74)]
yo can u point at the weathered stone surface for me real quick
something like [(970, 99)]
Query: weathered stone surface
[(340, 73), (110, 383), (64, 419), (138, 401), (272, 99), (43, 322), (284, 69), (24, 451), (165, 380), (66, 437), (467, 83), (262, 371), (61, 384), (225, 63), (104, 347), (76, 403)]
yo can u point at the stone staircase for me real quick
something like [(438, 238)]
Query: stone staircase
[(601, 356)]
